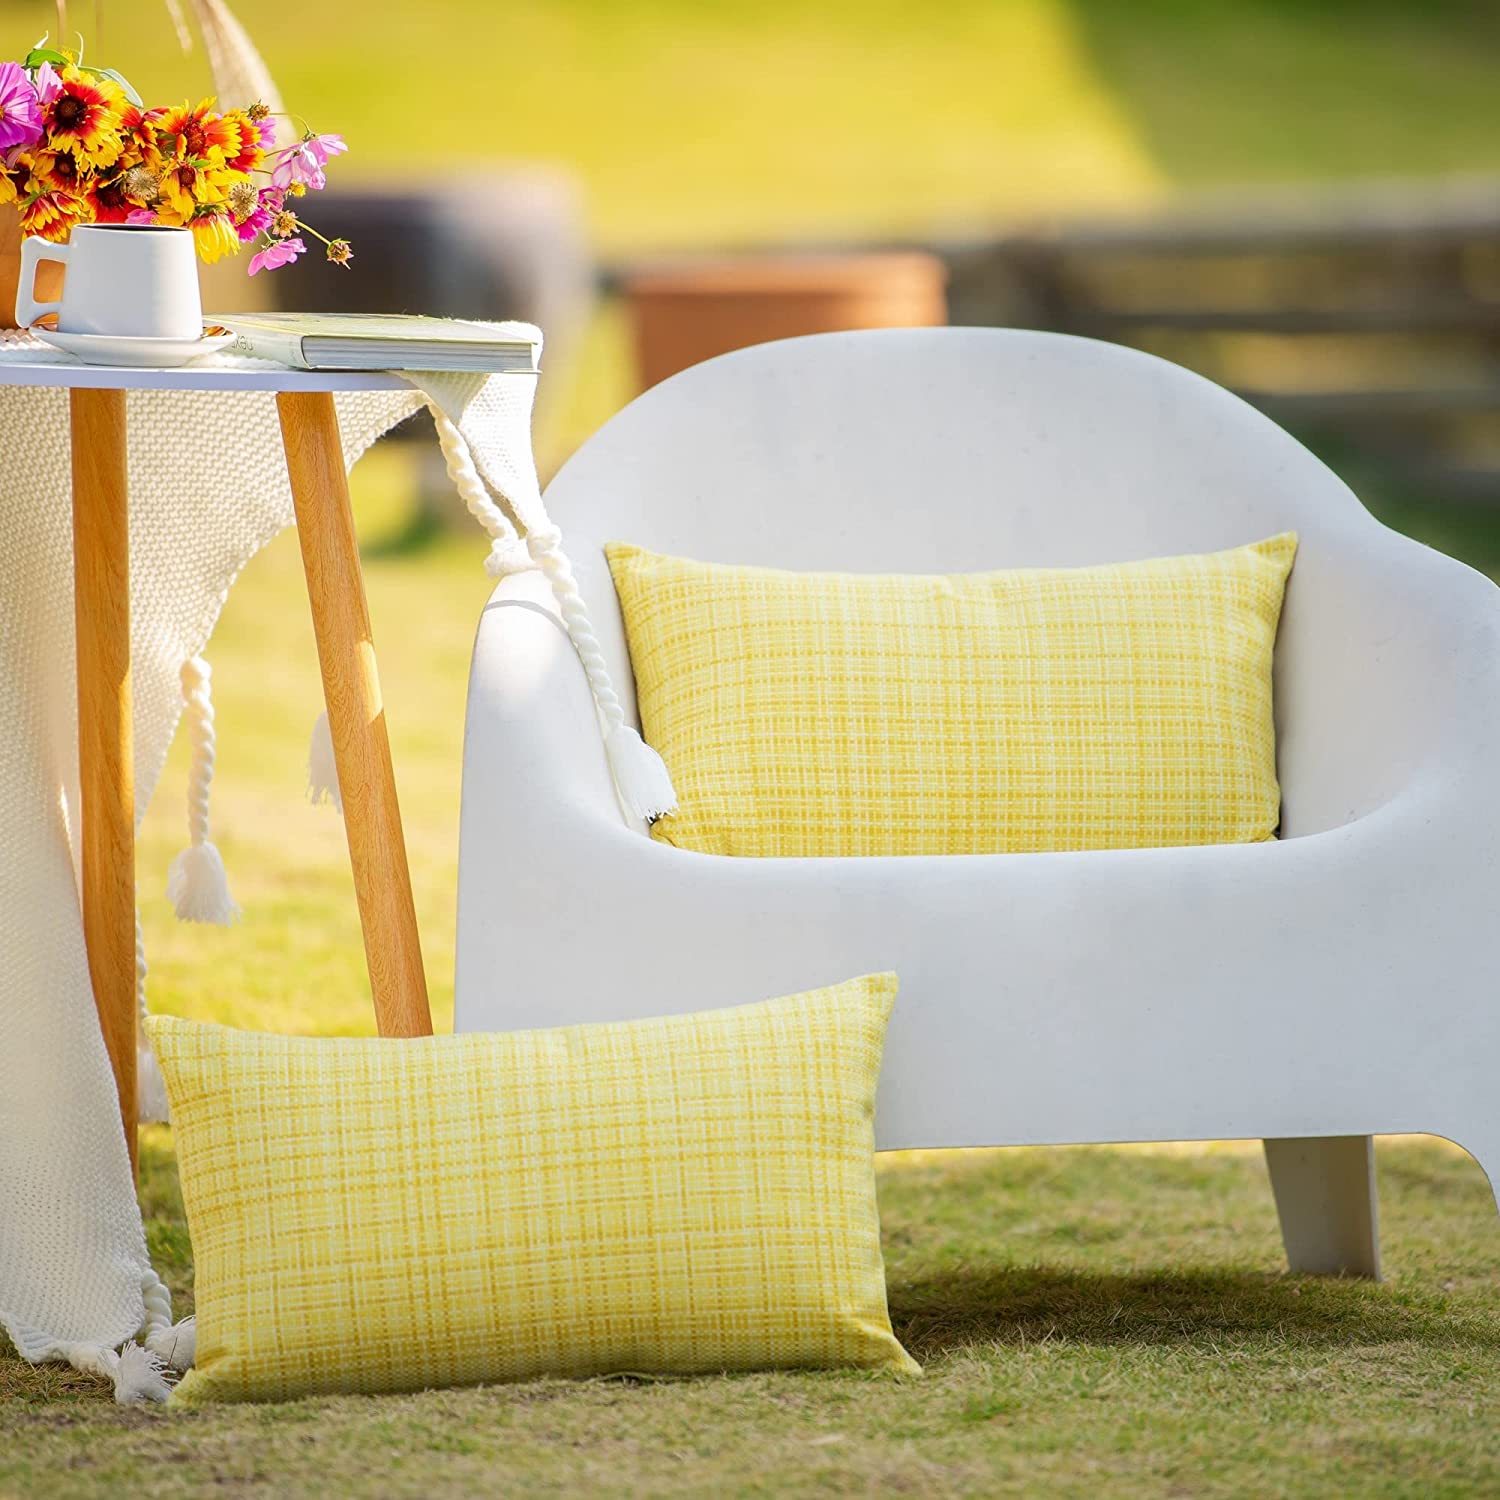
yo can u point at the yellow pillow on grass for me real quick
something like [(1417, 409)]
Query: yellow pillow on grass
[(690, 1193), (1125, 706)]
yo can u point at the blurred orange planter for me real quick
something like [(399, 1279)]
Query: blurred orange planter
[(690, 312)]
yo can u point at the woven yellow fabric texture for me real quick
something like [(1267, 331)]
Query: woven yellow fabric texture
[(690, 1193), (1126, 706)]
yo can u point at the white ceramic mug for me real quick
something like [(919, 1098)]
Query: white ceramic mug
[(123, 280)]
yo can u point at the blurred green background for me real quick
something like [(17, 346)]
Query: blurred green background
[(695, 122)]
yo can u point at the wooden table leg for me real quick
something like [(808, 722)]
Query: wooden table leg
[(356, 715), (106, 742)]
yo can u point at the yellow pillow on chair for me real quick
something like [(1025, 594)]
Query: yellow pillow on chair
[(690, 1193), (1115, 707)]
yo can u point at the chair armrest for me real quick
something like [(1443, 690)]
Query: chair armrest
[(1387, 672), (533, 747)]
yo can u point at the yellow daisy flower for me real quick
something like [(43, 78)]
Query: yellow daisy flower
[(214, 237), (186, 188)]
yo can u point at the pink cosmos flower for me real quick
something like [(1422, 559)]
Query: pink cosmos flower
[(256, 224), (48, 84), (140, 216), (267, 129), (20, 109), (326, 146), (279, 253), (305, 161), (299, 164)]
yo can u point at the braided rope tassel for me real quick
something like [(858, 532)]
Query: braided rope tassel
[(197, 885), (150, 1086), (507, 552), (641, 776), (175, 1344)]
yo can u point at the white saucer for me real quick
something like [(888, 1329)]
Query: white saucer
[(138, 354)]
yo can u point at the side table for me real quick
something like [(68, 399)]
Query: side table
[(346, 655)]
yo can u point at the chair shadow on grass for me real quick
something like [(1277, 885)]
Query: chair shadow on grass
[(1020, 1305)]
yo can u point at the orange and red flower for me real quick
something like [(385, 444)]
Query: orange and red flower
[(251, 153), (84, 117), (198, 134), (108, 200), (56, 171), (138, 130), (53, 215)]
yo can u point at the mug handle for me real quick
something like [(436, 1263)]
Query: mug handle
[(34, 249)]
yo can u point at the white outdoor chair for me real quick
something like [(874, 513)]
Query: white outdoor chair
[(1310, 992)]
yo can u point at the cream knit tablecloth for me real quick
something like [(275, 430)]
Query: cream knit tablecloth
[(208, 489)]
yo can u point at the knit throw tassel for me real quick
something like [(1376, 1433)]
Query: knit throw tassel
[(197, 885), (138, 1371), (508, 553), (150, 1087), (175, 1344), (322, 769), (134, 1372), (641, 775)]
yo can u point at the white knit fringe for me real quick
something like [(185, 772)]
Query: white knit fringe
[(150, 1087), (322, 769), (197, 885), (134, 1372), (641, 776), (137, 1371)]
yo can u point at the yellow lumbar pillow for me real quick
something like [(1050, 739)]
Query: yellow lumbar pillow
[(684, 1194), (1113, 707)]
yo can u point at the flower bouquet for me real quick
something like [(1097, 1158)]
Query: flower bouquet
[(78, 146)]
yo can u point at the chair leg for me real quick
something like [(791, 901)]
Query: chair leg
[(1325, 1197)]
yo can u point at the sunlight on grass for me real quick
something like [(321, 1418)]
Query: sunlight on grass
[(693, 124)]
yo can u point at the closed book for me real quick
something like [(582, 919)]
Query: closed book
[(384, 341)]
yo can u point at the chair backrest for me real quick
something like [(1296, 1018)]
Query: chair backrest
[(953, 449)]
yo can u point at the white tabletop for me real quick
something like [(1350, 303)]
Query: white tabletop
[(26, 360), (19, 365)]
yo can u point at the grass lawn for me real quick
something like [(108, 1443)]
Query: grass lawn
[(1093, 1322)]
